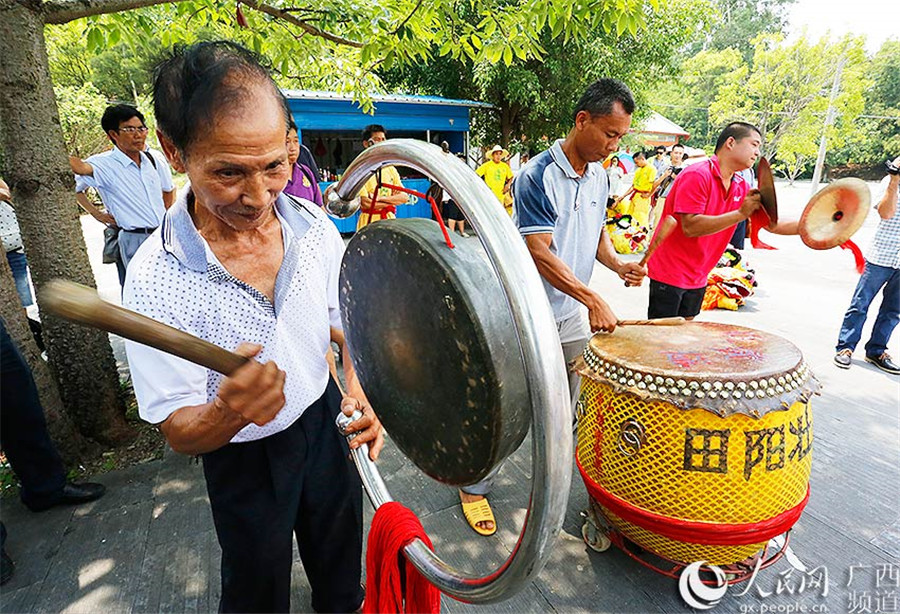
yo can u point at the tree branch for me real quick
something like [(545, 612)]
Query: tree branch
[(64, 11), (286, 16), (408, 17)]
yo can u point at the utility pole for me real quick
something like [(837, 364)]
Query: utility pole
[(829, 119)]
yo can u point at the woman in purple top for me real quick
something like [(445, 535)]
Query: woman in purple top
[(303, 182)]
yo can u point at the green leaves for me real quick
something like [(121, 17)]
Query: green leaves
[(95, 39), (784, 89), (392, 33)]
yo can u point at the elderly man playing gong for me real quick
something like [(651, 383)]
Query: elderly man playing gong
[(242, 265)]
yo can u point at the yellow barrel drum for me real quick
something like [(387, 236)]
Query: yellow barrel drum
[(695, 441)]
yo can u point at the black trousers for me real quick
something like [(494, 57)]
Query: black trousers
[(297, 482), (669, 301), (23, 430)]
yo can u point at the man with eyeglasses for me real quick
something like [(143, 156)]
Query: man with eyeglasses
[(134, 182)]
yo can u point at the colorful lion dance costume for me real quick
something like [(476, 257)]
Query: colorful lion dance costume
[(730, 282)]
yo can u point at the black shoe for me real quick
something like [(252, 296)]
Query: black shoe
[(842, 358), (7, 568), (884, 363), (37, 331), (71, 494)]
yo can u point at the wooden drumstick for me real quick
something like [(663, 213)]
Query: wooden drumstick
[(665, 229), (676, 321), (83, 305)]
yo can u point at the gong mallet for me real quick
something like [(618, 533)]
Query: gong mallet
[(665, 229), (83, 305)]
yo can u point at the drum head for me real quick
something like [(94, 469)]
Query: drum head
[(433, 342), (722, 368)]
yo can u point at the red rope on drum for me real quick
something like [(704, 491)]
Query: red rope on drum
[(393, 527), (694, 531), (434, 208)]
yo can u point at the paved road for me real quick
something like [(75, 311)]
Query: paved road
[(149, 545)]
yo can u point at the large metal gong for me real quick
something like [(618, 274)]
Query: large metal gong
[(437, 346), (475, 324)]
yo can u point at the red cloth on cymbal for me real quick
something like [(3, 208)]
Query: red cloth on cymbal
[(857, 255), (758, 221), (393, 527)]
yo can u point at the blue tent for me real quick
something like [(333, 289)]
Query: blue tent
[(331, 125)]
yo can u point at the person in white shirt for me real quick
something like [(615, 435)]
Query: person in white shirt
[(882, 272), (246, 267), (616, 179), (134, 182)]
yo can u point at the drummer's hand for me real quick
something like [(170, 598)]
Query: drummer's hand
[(255, 390), (601, 316), (368, 426), (751, 203), (632, 273)]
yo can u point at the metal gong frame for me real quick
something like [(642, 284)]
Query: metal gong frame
[(552, 446)]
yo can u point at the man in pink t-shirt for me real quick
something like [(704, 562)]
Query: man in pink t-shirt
[(709, 199)]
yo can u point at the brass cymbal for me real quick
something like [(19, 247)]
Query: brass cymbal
[(766, 186), (835, 213)]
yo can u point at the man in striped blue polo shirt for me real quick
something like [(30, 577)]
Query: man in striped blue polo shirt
[(560, 209)]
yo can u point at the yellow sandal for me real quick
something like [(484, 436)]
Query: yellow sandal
[(479, 511)]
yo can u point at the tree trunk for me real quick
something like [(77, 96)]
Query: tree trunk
[(506, 126), (37, 172), (69, 442)]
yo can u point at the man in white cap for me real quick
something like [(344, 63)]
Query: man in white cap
[(497, 174)]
